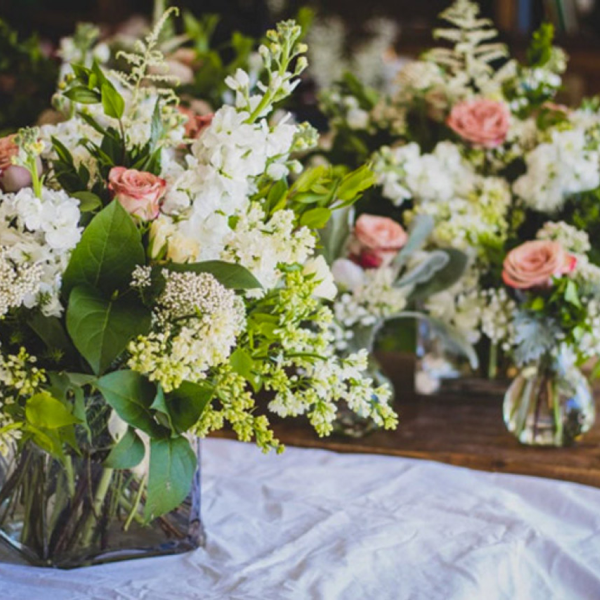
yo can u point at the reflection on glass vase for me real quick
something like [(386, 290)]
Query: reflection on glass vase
[(71, 510), (443, 371), (348, 422), (549, 404)]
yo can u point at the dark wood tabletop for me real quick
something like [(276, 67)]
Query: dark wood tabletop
[(463, 429)]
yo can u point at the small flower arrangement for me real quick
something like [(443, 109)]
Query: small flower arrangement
[(155, 286), (475, 140)]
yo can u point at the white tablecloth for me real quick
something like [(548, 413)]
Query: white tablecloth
[(312, 525)]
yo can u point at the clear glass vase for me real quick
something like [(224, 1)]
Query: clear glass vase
[(348, 422), (549, 404), (74, 512), (440, 371)]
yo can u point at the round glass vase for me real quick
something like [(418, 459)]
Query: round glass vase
[(73, 511), (549, 404), (348, 422)]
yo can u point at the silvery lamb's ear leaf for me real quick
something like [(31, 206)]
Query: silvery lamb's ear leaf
[(446, 277), (449, 336), (427, 269), (335, 234), (419, 232)]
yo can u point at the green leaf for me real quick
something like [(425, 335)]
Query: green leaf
[(44, 411), (445, 277), (160, 406), (127, 453), (101, 328), (419, 232), (356, 182), (187, 403), (241, 362), (230, 275), (172, 467), (88, 202), (423, 272), (309, 177), (571, 295), (110, 248), (51, 331), (112, 101), (82, 95), (336, 232), (315, 218), (131, 395)]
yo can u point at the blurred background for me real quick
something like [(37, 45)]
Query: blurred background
[(30, 33), (577, 22)]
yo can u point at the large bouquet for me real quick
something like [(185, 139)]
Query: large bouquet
[(154, 287), (485, 151)]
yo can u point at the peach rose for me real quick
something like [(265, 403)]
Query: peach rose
[(12, 177), (483, 122), (195, 124), (376, 241), (138, 192), (533, 264)]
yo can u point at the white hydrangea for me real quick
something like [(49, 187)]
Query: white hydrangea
[(460, 306), (37, 236), (558, 169), (437, 177), (373, 298), (497, 317), (571, 239)]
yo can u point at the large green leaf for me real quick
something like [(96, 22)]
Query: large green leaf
[(109, 250), (101, 328), (172, 467), (131, 395), (127, 453), (187, 403), (230, 275)]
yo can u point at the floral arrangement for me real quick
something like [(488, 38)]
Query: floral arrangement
[(485, 151), (553, 297), (381, 271), (155, 286)]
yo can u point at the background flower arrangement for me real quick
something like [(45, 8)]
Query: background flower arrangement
[(153, 285), (475, 140)]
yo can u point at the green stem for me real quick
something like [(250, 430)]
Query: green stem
[(493, 361), (101, 492), (136, 504), (36, 183)]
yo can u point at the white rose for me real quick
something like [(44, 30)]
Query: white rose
[(326, 288)]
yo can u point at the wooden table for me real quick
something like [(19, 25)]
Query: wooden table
[(464, 431)]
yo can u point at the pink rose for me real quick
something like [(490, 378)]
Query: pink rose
[(376, 241), (138, 192), (195, 124), (482, 122), (533, 264), (12, 178)]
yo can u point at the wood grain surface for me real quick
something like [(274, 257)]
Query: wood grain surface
[(463, 429)]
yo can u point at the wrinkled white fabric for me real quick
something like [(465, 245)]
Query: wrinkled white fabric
[(312, 525)]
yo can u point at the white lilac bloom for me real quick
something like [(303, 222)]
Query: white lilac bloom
[(37, 236)]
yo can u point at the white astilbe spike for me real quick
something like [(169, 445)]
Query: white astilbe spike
[(471, 55), (148, 64)]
